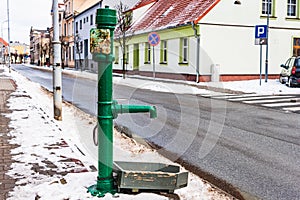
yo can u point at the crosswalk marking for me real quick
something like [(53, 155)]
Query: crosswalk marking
[(216, 94), (292, 109), (258, 97), (271, 101), (281, 104), (288, 102), (234, 96)]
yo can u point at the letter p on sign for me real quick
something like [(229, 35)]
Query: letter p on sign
[(261, 31)]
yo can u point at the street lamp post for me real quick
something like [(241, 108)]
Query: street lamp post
[(57, 74), (267, 45), (8, 31)]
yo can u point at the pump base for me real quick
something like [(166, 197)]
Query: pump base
[(100, 192)]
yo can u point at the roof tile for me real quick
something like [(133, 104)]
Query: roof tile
[(167, 13)]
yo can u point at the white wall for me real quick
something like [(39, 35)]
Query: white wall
[(228, 39), (230, 42)]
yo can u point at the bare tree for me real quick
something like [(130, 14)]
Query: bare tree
[(123, 32)]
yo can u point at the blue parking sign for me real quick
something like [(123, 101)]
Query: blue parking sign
[(261, 31)]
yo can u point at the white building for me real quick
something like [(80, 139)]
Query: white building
[(227, 38), (84, 21)]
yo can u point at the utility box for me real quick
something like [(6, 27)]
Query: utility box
[(136, 176), (215, 73)]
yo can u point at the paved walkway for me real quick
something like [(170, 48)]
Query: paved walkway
[(7, 184)]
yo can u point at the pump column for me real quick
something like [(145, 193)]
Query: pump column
[(102, 50)]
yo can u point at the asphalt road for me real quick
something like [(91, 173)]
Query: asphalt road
[(241, 148)]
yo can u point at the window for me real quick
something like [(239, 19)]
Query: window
[(267, 5), (296, 46), (76, 27), (116, 55), (81, 47), (163, 52), (69, 29), (65, 29), (80, 24), (70, 53), (91, 21), (147, 53), (127, 54), (184, 47), (292, 8)]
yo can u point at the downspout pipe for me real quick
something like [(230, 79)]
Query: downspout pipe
[(197, 36)]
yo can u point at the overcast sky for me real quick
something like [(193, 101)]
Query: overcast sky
[(23, 15)]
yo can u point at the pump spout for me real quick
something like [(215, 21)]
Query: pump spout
[(120, 109)]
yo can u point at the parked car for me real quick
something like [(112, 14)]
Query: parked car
[(290, 73)]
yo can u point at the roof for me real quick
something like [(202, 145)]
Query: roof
[(2, 41), (171, 13), (86, 5), (142, 3)]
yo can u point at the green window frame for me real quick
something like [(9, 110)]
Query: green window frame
[(183, 51), (127, 54), (147, 53), (136, 56), (164, 52)]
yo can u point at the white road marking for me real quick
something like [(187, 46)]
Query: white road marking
[(281, 104), (272, 100), (259, 97), (292, 109)]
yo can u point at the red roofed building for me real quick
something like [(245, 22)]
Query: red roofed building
[(224, 31)]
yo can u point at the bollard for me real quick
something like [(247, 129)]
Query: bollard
[(108, 109)]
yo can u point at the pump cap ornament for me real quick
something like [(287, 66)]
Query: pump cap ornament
[(100, 41)]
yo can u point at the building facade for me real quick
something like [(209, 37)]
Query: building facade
[(40, 47), (224, 32), (83, 23)]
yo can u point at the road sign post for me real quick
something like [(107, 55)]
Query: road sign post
[(153, 40), (261, 39)]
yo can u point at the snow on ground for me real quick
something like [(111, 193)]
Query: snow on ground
[(271, 87), (50, 151), (42, 140)]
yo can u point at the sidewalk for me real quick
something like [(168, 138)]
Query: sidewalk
[(6, 182), (42, 158)]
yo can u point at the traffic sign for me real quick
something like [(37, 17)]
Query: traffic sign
[(261, 31), (153, 39)]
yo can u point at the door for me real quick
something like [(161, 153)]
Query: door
[(136, 57), (86, 53)]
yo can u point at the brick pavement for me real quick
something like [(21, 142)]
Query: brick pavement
[(7, 183)]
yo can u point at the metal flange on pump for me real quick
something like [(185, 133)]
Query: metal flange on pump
[(101, 47)]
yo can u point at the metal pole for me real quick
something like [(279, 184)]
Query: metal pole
[(153, 63), (198, 59), (260, 64), (8, 30), (57, 79), (267, 47)]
